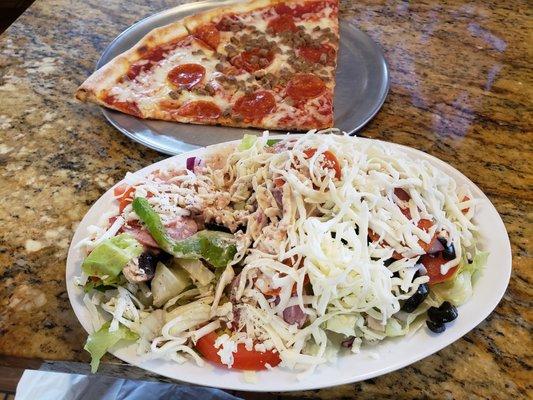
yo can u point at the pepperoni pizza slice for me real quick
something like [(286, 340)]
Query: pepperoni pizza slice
[(263, 63)]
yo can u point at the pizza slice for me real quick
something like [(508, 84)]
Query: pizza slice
[(263, 63)]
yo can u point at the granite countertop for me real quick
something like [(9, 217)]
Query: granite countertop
[(461, 89)]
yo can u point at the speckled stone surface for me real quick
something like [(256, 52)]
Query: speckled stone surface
[(461, 89)]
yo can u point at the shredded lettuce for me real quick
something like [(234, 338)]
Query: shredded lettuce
[(100, 341), (109, 257), (247, 142), (110, 283)]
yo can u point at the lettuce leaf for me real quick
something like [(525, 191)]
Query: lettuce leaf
[(395, 328), (247, 142), (217, 248), (272, 142), (100, 341), (477, 265), (458, 290), (344, 324), (109, 257)]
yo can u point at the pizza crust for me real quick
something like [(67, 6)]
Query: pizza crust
[(193, 21), (222, 121)]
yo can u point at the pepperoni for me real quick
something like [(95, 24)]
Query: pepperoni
[(209, 34), (156, 54), (255, 106), (186, 75), (314, 54), (283, 23), (128, 107), (253, 60), (200, 109), (305, 86)]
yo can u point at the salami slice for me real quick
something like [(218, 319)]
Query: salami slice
[(140, 233)]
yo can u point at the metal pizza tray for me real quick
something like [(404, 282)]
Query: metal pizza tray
[(362, 85)]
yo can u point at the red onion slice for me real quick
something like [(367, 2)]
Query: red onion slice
[(190, 163), (436, 246), (348, 342), (193, 162), (294, 315)]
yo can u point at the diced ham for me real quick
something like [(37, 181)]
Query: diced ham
[(181, 228)]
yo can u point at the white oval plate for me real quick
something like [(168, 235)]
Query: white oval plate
[(379, 359)]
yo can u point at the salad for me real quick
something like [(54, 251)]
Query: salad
[(279, 253)]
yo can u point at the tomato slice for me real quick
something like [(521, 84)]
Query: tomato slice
[(331, 161), (242, 359), (279, 182), (432, 263), (425, 224), (123, 194)]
